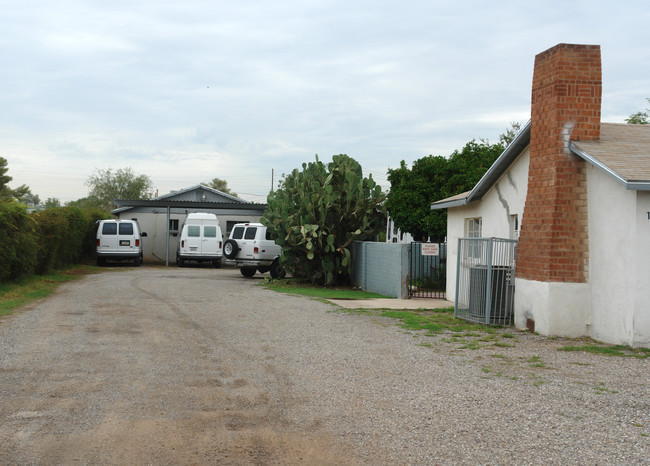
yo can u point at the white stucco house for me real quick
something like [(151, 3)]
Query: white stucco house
[(162, 217), (575, 193)]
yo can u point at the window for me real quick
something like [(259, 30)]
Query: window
[(173, 225), (209, 231), (268, 235), (193, 231), (514, 226), (238, 233), (473, 227), (109, 229), (126, 228), (250, 233)]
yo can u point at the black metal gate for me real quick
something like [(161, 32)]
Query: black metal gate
[(427, 270)]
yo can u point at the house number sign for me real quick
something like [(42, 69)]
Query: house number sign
[(430, 249)]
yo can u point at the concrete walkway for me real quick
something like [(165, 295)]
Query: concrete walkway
[(387, 303)]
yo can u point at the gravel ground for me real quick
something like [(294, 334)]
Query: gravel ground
[(159, 365)]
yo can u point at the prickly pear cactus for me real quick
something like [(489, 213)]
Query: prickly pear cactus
[(318, 212)]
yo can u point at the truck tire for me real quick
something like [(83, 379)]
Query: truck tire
[(230, 249), (247, 272), (276, 269)]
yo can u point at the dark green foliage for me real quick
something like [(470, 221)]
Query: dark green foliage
[(18, 240), (62, 231), (431, 179), (318, 212), (47, 240)]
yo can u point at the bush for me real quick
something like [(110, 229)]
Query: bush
[(18, 238), (47, 240)]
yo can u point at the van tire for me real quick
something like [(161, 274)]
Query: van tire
[(277, 271), (101, 261), (230, 249), (247, 272), (138, 261)]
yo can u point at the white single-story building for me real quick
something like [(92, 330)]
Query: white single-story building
[(575, 193), (162, 217)]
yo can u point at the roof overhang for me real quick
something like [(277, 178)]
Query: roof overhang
[(629, 184), (125, 204), (498, 168)]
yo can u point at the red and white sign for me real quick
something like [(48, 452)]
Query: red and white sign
[(430, 249)]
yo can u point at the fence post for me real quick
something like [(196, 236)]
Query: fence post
[(488, 285)]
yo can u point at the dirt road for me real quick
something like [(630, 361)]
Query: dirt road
[(200, 366)]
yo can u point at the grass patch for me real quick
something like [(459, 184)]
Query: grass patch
[(434, 321), (296, 287), (16, 294), (613, 350)]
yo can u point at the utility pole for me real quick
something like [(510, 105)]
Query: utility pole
[(272, 170)]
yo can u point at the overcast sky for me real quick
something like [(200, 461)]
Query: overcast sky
[(185, 91)]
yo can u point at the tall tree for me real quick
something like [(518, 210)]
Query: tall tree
[(318, 212), (220, 185), (639, 118), (433, 178), (106, 186), (5, 191)]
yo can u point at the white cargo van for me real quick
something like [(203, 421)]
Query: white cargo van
[(119, 240), (201, 240)]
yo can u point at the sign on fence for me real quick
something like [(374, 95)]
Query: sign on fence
[(430, 249)]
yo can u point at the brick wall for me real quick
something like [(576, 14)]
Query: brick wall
[(566, 97)]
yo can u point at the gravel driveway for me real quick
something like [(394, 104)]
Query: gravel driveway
[(159, 365)]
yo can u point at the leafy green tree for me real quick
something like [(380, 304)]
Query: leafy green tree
[(52, 202), (433, 178), (639, 118), (220, 185), (318, 212), (106, 186), (5, 191)]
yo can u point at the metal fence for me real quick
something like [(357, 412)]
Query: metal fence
[(485, 281), (427, 270)]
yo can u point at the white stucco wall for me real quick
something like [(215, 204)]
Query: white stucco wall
[(507, 197), (613, 305), (612, 250), (641, 278)]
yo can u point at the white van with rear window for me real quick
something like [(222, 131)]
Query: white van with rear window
[(119, 240), (251, 248), (201, 240)]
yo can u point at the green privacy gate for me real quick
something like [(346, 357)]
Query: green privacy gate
[(427, 270), (485, 280)]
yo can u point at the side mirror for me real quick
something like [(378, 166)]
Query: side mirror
[(143, 234)]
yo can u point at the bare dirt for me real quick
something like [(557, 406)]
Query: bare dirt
[(156, 365)]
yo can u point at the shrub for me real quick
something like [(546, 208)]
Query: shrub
[(18, 238)]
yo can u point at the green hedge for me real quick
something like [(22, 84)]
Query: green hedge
[(43, 241)]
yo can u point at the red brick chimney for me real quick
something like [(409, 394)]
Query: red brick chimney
[(566, 97)]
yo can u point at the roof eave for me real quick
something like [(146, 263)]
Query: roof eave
[(501, 164), (496, 170), (630, 185), (449, 204)]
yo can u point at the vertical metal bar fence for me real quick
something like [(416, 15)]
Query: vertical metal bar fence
[(485, 280)]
